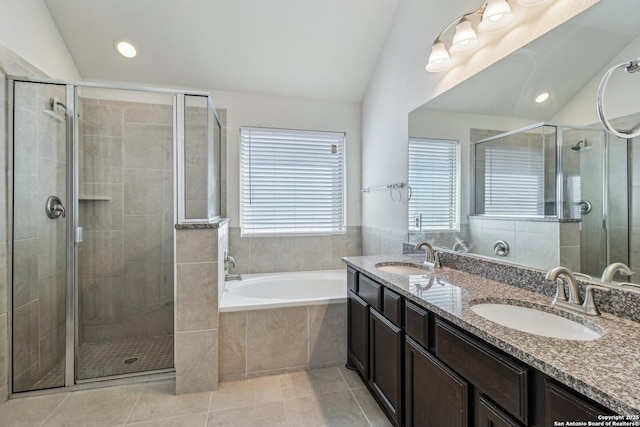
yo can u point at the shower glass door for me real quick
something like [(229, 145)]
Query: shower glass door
[(39, 227), (126, 211), (583, 157)]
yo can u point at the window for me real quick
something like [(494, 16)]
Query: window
[(292, 182), (514, 180), (434, 178)]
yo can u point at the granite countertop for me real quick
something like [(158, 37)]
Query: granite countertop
[(607, 369)]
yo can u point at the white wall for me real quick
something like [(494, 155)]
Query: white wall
[(399, 84), (293, 113), (26, 28), (621, 95), (425, 123)]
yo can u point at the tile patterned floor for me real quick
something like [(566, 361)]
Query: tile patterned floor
[(321, 397), (105, 359)]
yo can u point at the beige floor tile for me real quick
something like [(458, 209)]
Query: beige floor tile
[(312, 383), (96, 408), (255, 391), (158, 401), (331, 409), (191, 420), (29, 411), (268, 414), (371, 409), (351, 377)]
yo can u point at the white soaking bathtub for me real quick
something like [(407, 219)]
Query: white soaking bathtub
[(260, 291)]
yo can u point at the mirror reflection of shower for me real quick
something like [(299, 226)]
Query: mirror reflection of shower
[(54, 103), (583, 144)]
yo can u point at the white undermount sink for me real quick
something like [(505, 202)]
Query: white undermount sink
[(535, 322), (404, 269)]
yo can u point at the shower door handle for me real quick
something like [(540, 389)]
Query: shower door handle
[(54, 207)]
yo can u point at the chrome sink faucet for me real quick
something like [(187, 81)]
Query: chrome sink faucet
[(432, 258), (612, 269), (574, 302)]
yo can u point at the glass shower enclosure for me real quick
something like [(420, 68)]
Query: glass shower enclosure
[(564, 173), (99, 176)]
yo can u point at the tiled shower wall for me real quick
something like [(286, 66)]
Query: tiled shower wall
[(39, 242), (126, 259)]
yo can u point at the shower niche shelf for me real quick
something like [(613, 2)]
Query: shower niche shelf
[(93, 198)]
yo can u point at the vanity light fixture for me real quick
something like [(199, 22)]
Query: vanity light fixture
[(126, 49), (439, 60), (496, 17), (465, 40), (491, 17), (542, 97)]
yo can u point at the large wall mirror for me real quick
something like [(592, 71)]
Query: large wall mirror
[(539, 184)]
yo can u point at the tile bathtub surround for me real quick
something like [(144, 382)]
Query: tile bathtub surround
[(620, 302), (330, 396), (272, 254), (263, 342), (606, 370), (198, 273)]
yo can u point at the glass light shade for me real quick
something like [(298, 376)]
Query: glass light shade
[(126, 49), (496, 17), (531, 2), (465, 39), (439, 59)]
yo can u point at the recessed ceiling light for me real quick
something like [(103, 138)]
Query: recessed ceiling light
[(126, 49), (542, 97)]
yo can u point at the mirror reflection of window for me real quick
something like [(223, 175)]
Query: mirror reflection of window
[(434, 178), (514, 180)]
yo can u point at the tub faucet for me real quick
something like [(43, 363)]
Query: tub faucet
[(228, 260), (432, 258), (574, 302), (612, 269)]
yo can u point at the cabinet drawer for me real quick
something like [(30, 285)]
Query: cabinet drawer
[(491, 415), (392, 307), (416, 323), (370, 291), (352, 279), (501, 379)]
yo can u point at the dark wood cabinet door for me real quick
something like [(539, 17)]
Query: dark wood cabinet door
[(386, 364), (358, 334), (562, 405), (489, 415), (435, 396)]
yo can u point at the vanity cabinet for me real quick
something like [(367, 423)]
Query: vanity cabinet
[(434, 394), (425, 371), (489, 415), (358, 334), (562, 404), (386, 364)]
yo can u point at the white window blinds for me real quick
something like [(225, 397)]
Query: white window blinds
[(434, 177), (514, 181), (292, 181)]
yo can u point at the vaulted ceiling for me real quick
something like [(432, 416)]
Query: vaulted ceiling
[(322, 49)]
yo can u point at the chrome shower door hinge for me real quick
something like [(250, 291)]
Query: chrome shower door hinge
[(79, 235)]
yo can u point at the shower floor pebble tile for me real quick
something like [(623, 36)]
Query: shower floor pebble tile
[(321, 397)]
